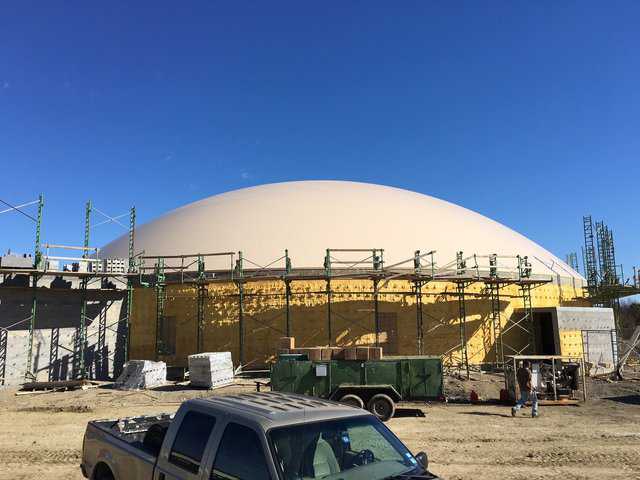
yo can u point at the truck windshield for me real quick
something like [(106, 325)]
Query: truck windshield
[(359, 448)]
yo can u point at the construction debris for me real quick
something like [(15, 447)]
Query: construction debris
[(56, 385)]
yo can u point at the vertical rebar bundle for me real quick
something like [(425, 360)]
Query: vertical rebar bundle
[(607, 255), (590, 257), (572, 261)]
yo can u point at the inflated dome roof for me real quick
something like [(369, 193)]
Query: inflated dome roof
[(310, 216)]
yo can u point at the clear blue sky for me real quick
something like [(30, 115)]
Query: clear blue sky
[(527, 112)]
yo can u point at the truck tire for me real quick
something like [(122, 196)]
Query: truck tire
[(382, 406), (352, 400), (103, 472)]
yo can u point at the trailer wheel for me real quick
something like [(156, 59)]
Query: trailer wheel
[(382, 406), (352, 400)]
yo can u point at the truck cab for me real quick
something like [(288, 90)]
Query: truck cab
[(255, 436)]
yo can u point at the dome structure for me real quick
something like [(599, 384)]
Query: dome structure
[(307, 217)]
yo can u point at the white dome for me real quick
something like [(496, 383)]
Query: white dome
[(310, 216)]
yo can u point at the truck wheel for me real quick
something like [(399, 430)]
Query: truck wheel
[(352, 400), (102, 472), (382, 406)]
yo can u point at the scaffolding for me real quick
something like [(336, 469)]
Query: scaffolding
[(605, 278), (356, 264), (33, 283), (187, 269), (494, 295), (606, 284), (86, 269)]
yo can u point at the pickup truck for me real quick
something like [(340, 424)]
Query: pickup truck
[(253, 436)]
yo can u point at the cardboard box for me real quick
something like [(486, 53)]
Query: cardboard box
[(315, 353), (312, 353), (338, 353), (350, 354), (286, 343), (299, 351), (327, 353), (362, 353), (375, 353)]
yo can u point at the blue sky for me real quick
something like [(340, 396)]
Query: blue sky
[(527, 112)]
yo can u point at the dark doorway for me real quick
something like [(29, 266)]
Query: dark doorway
[(547, 339)]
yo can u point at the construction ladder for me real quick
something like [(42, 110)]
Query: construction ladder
[(494, 292), (462, 315), (160, 288)]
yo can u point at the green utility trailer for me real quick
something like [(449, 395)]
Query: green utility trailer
[(376, 384)]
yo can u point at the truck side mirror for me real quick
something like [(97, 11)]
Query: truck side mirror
[(423, 460)]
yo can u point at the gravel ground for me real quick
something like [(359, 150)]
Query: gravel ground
[(41, 435)]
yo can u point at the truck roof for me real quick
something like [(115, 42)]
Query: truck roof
[(272, 409)]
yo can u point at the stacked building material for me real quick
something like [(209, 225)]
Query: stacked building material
[(287, 346), (140, 374), (211, 369)]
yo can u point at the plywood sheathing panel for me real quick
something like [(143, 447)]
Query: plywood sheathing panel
[(352, 317)]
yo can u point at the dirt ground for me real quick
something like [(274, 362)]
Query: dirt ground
[(41, 435)]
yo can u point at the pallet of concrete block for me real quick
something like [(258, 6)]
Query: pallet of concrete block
[(211, 369), (141, 374)]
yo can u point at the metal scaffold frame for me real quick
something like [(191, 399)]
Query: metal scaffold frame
[(191, 269), (605, 278), (86, 273), (81, 331), (201, 286), (239, 281), (496, 321), (524, 321), (131, 270), (461, 285), (364, 264), (160, 300), (93, 267), (606, 284), (283, 266), (33, 283), (34, 306), (337, 264)]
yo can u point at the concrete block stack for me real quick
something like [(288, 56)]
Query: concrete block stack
[(141, 374), (286, 345), (211, 369)]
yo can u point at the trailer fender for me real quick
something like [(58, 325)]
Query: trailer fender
[(365, 392)]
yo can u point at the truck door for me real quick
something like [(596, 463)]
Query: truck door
[(183, 459), (240, 455)]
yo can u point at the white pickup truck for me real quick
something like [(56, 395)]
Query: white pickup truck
[(254, 436)]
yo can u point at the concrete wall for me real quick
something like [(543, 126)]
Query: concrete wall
[(584, 332), (595, 326), (352, 318), (58, 310)]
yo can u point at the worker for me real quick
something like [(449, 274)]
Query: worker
[(527, 390)]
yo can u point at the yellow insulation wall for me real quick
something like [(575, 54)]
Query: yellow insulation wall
[(352, 317), (571, 343)]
